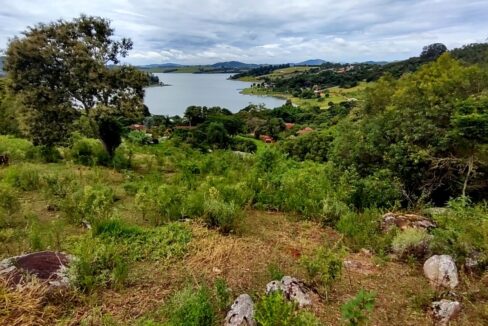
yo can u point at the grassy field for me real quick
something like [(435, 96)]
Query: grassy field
[(337, 95), (156, 257)]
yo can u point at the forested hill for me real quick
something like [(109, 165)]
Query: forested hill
[(349, 75)]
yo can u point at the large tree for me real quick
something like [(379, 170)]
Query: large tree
[(67, 68)]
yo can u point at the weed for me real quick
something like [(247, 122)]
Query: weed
[(355, 311)]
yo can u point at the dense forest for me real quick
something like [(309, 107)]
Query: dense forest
[(166, 220)]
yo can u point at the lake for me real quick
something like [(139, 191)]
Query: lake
[(203, 90)]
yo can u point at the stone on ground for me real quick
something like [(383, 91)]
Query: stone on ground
[(241, 312), (292, 288), (48, 266), (441, 271), (444, 311), (405, 221)]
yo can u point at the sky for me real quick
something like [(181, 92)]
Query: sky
[(266, 31)]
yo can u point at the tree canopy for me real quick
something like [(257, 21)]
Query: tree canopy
[(64, 68)]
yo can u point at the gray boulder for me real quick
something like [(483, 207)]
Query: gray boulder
[(444, 311), (441, 271), (241, 312), (292, 288)]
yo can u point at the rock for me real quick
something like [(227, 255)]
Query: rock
[(405, 221), (475, 263), (48, 266), (274, 286), (441, 271), (241, 312), (292, 288), (444, 311)]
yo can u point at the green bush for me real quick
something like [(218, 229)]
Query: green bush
[(99, 264), (191, 306), (139, 138), (25, 177), (275, 310), (462, 230), (219, 213), (361, 230), (160, 204), (16, 148), (411, 243), (223, 294), (324, 266), (89, 204), (88, 151), (355, 311), (9, 205)]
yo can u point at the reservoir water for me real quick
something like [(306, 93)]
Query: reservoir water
[(203, 90)]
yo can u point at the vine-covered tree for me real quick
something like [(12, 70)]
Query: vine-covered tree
[(62, 69)]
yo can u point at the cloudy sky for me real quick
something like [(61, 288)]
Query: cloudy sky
[(267, 31)]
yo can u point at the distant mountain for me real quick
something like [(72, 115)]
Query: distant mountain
[(380, 63), (162, 65), (234, 65), (311, 62)]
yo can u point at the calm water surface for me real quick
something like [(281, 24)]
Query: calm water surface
[(204, 90)]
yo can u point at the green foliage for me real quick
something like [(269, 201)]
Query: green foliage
[(26, 177), (411, 243), (99, 264), (72, 57), (313, 146), (223, 294), (274, 271), (355, 311), (275, 310), (191, 306), (88, 204), (139, 137), (17, 149), (160, 204), (221, 214), (361, 230), (160, 244), (88, 151), (9, 205), (324, 266), (462, 230)]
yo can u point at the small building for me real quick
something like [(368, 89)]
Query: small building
[(267, 139), (137, 127), (304, 131), (289, 125)]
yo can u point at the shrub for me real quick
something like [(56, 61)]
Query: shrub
[(355, 311), (25, 177), (161, 204), (89, 204), (122, 158), (362, 230), (99, 264), (220, 214), (243, 145), (222, 293), (411, 243), (16, 148), (324, 266), (60, 185), (9, 205), (139, 137), (191, 306), (88, 151), (275, 310), (462, 230)]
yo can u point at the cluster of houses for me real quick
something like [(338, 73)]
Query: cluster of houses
[(268, 139)]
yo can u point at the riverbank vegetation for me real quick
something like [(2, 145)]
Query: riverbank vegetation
[(171, 218)]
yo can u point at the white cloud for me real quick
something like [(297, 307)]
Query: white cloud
[(266, 31)]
